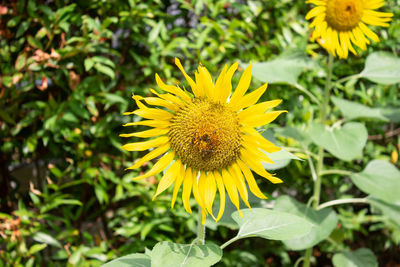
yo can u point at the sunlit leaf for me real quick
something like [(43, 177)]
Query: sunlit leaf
[(391, 210), (270, 224), (362, 257), (382, 67), (323, 222), (346, 142), (353, 110), (131, 260), (189, 255), (283, 69), (380, 179)]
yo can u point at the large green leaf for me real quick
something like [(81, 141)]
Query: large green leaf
[(380, 179), (283, 69), (353, 110), (296, 133), (270, 224), (131, 260), (362, 257), (171, 254), (390, 210), (323, 222), (382, 67), (346, 142), (281, 159)]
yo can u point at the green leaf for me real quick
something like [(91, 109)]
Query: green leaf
[(155, 31), (353, 110), (88, 63), (131, 260), (323, 222), (345, 143), (34, 42), (20, 62), (104, 61), (270, 224), (46, 238), (105, 69), (362, 257), (171, 254), (391, 113), (36, 248), (390, 210), (283, 69), (281, 159), (22, 28), (382, 67), (380, 179), (295, 133)]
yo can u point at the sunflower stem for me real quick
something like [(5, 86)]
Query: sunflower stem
[(342, 201), (320, 161), (201, 229)]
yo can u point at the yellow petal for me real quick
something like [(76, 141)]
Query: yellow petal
[(258, 140), (203, 216), (147, 133), (221, 190), (137, 99), (177, 185), (258, 120), (252, 151), (240, 184), (251, 98), (140, 146), (315, 11), (153, 114), (231, 188), (172, 89), (242, 86), (196, 179), (208, 188), (258, 108), (187, 189), (155, 101), (168, 178), (151, 123), (368, 32), (204, 80), (193, 85), (161, 164), (259, 169), (171, 98), (219, 84), (151, 155), (250, 180)]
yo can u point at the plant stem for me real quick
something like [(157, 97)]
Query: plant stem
[(308, 93), (320, 162), (333, 171), (230, 241), (342, 201), (201, 229), (307, 257), (345, 79)]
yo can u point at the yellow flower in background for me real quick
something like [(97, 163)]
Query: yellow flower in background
[(340, 23), (207, 139)]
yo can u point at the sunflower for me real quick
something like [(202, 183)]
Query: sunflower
[(206, 139), (340, 23)]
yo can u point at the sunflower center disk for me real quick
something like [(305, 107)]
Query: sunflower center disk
[(205, 135), (344, 15)]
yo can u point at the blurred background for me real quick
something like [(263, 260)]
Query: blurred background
[(68, 71)]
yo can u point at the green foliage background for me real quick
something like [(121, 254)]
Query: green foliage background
[(67, 73)]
